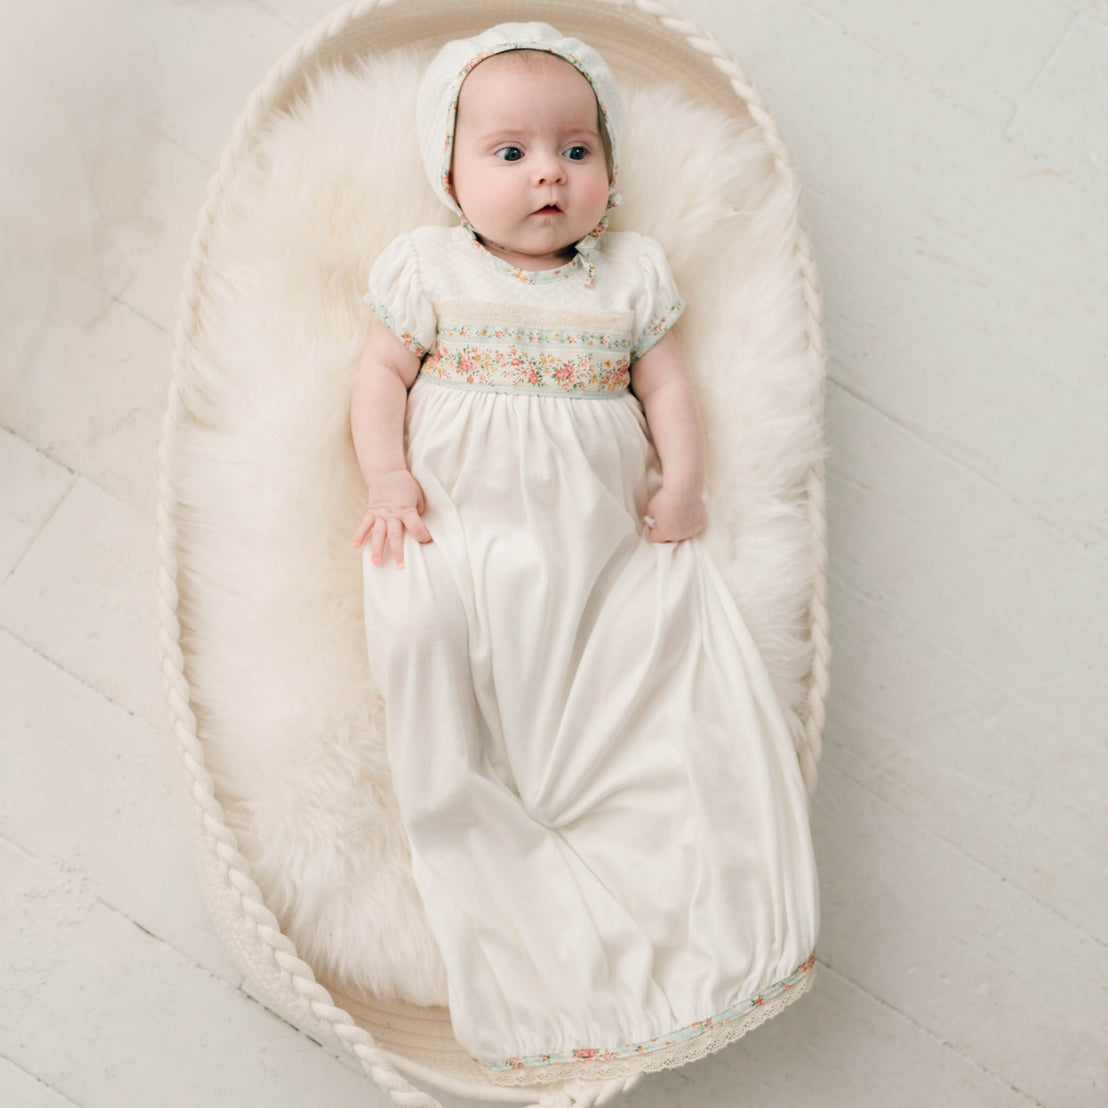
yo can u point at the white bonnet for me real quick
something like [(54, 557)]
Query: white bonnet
[(437, 103)]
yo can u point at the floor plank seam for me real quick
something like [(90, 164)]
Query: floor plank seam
[(74, 478), (336, 1051), (1037, 80), (4, 426), (961, 850), (58, 865), (26, 644), (97, 898), (966, 664), (924, 1029), (993, 126), (118, 298), (957, 106), (1083, 548), (140, 509), (39, 1080), (182, 956)]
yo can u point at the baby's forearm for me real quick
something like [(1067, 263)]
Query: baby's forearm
[(378, 402), (662, 384), (676, 425), (378, 405)]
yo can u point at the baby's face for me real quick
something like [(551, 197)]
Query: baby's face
[(529, 169)]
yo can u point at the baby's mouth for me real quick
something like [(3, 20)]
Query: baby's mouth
[(548, 209)]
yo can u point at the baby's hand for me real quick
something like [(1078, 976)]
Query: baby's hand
[(395, 504), (674, 516)]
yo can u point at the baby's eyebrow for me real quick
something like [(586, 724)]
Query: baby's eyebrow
[(498, 136), (522, 134)]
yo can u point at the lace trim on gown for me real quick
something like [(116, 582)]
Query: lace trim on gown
[(686, 1044)]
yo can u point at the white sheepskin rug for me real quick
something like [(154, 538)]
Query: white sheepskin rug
[(270, 493)]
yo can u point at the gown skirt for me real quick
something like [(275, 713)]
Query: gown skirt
[(608, 825)]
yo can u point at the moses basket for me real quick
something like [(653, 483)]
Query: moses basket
[(302, 856)]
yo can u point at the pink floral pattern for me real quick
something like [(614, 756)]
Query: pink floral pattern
[(556, 361)]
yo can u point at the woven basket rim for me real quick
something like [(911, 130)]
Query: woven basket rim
[(629, 33)]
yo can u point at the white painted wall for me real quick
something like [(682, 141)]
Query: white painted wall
[(954, 160)]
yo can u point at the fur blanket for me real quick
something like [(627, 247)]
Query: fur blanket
[(269, 491)]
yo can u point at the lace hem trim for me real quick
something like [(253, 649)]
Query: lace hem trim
[(707, 1037)]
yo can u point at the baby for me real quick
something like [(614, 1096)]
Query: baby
[(531, 172), (607, 821)]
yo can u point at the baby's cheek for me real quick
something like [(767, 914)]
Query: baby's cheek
[(597, 192)]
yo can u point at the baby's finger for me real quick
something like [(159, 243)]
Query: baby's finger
[(363, 529), (396, 540), (377, 539), (417, 527)]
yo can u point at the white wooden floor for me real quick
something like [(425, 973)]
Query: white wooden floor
[(954, 158)]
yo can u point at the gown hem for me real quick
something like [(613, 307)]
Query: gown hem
[(667, 1051)]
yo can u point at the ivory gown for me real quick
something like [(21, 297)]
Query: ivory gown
[(608, 825)]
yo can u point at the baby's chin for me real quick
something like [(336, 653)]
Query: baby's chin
[(532, 252)]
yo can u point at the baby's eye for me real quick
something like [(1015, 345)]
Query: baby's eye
[(510, 153), (577, 153)]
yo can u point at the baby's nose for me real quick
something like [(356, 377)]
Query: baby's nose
[(548, 169)]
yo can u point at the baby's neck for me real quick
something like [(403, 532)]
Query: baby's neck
[(552, 260)]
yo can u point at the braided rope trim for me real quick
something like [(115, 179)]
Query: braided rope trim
[(240, 892)]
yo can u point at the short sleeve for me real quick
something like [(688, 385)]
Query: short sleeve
[(660, 304), (397, 296)]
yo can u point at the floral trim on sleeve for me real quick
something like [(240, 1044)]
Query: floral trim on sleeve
[(659, 327), (390, 321)]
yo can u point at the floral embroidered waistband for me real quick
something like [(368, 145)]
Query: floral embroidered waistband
[(585, 355)]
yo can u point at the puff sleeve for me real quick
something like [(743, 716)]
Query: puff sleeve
[(659, 304), (397, 296)]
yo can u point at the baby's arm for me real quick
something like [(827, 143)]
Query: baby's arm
[(378, 401), (661, 382)]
